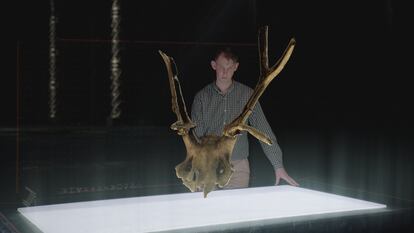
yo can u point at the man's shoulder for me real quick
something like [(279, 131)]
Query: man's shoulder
[(206, 90), (242, 87)]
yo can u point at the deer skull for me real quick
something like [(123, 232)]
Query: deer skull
[(207, 164)]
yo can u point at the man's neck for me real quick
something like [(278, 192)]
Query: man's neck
[(224, 86)]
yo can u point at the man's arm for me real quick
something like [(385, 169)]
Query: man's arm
[(258, 120), (273, 152)]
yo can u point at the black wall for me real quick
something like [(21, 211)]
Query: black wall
[(348, 64), (341, 108)]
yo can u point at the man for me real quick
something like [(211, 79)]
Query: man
[(219, 103)]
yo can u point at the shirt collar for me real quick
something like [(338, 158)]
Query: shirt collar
[(218, 90)]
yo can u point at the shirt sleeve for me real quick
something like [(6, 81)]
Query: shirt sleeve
[(273, 152), (197, 116)]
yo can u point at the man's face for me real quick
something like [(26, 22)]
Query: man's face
[(224, 67)]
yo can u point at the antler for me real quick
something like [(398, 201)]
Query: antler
[(183, 123), (266, 76)]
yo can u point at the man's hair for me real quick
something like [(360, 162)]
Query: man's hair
[(227, 53)]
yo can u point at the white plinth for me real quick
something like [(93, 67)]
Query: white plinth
[(189, 210)]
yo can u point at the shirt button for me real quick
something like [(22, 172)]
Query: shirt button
[(225, 110)]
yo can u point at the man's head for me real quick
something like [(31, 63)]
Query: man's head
[(225, 63)]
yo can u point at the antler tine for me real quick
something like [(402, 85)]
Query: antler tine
[(269, 76), (174, 101), (263, 51), (183, 123), (264, 57), (280, 64), (266, 76)]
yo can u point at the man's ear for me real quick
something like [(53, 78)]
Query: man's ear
[(213, 65), (236, 66)]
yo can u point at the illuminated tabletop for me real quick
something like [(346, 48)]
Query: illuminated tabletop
[(186, 211)]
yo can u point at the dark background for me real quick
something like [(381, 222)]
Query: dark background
[(341, 108), (350, 66)]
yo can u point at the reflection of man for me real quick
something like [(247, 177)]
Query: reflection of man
[(219, 103)]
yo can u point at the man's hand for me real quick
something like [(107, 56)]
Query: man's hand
[(282, 174)]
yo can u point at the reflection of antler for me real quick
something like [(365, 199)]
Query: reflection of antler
[(266, 76), (207, 163)]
